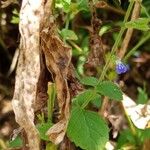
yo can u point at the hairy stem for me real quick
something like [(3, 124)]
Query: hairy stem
[(117, 42)]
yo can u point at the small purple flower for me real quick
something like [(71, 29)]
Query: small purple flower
[(121, 67)]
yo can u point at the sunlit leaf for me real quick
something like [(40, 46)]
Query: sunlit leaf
[(68, 34), (43, 128), (140, 24), (83, 5), (51, 146), (104, 29), (65, 4), (15, 20)]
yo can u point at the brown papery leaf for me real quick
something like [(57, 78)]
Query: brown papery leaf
[(57, 132), (58, 57)]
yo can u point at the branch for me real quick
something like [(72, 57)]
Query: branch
[(105, 5), (125, 43), (28, 70)]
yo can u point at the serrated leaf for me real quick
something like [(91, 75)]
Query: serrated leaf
[(43, 128), (84, 98), (142, 96), (140, 24), (87, 129), (16, 143), (89, 81), (108, 88), (68, 34)]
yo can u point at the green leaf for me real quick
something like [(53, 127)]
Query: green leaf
[(126, 137), (51, 146), (84, 98), (89, 81), (73, 10), (15, 17), (97, 102), (16, 143), (104, 29), (108, 88), (15, 20), (140, 24), (87, 129), (144, 134), (15, 12), (68, 34), (65, 4), (142, 96), (43, 128), (83, 5)]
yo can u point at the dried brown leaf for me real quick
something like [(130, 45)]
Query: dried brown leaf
[(56, 133), (58, 57)]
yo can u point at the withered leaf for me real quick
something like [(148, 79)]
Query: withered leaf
[(58, 57)]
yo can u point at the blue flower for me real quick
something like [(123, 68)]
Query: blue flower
[(121, 67)]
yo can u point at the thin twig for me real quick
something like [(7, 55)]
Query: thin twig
[(125, 43), (106, 6), (104, 106), (74, 45), (117, 42), (114, 48), (14, 62), (141, 41)]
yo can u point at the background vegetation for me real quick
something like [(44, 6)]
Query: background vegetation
[(106, 65)]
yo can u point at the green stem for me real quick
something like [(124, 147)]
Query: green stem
[(67, 25), (132, 127), (50, 103), (75, 45), (67, 21), (146, 12), (117, 42), (142, 41), (89, 99)]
